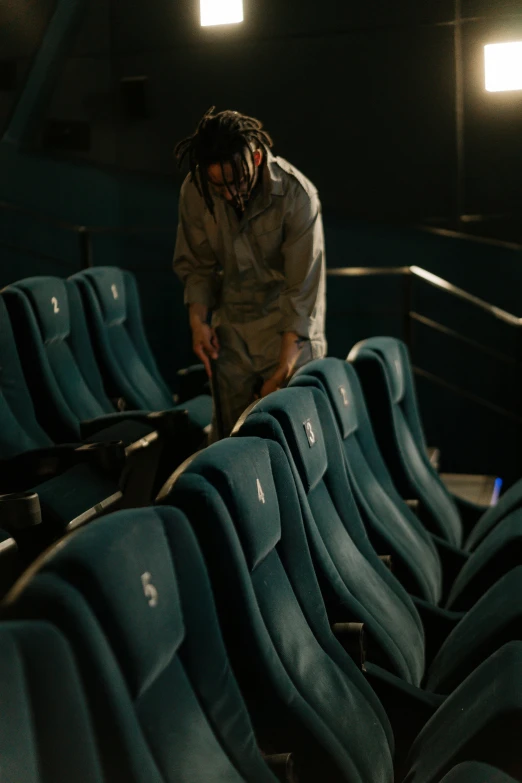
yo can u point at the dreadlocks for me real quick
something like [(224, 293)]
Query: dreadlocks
[(226, 137)]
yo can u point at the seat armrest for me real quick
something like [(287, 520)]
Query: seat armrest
[(31, 468), (169, 420), (282, 766), (192, 381), (434, 457), (352, 637)]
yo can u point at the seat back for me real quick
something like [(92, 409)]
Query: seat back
[(110, 297), (19, 428), (352, 574), (132, 595), (46, 733), (47, 318), (391, 525), (386, 377), (476, 772), (303, 690)]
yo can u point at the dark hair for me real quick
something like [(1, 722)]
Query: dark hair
[(226, 137)]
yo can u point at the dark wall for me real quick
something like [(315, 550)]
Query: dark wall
[(361, 96), (22, 26)]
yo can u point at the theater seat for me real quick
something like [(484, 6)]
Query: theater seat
[(239, 499), (46, 733), (133, 598), (73, 480), (351, 573), (384, 369), (68, 393), (111, 300), (428, 566), (475, 772)]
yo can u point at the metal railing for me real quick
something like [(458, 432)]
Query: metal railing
[(411, 273)]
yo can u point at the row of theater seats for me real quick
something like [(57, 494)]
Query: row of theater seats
[(280, 613), (87, 423)]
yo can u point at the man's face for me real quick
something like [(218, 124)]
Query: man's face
[(224, 187)]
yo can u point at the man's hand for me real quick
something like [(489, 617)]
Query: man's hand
[(274, 383), (291, 347), (205, 343)]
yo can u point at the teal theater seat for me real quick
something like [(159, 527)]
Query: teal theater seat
[(384, 369), (46, 732), (132, 597), (111, 300), (475, 772), (297, 679), (352, 575), (69, 480), (427, 565), (58, 362), (68, 392)]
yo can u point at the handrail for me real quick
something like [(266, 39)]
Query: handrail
[(85, 232), (412, 272), (435, 282)]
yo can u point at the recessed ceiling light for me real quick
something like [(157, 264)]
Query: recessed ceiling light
[(214, 12), (503, 66)]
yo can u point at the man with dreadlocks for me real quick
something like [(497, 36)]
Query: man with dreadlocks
[(250, 252)]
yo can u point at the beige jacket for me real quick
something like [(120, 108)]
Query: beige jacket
[(265, 272)]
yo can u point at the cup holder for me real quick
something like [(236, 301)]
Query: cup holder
[(20, 510)]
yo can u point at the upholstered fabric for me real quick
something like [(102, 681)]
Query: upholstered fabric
[(115, 328), (343, 554), (391, 524), (494, 620), (398, 429), (296, 681), (475, 772), (129, 591), (349, 570), (399, 433), (19, 429), (64, 397), (46, 735), (268, 610), (481, 720), (111, 301)]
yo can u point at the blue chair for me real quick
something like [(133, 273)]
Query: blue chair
[(426, 564), (111, 301), (243, 503), (384, 369), (418, 643), (132, 597)]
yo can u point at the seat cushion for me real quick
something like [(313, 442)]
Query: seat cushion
[(475, 772), (481, 721), (45, 727)]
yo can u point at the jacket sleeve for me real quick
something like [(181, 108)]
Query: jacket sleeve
[(304, 265), (194, 262)]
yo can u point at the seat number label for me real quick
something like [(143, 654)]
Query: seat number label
[(260, 493), (54, 302), (149, 591), (344, 395), (114, 289), (310, 434)]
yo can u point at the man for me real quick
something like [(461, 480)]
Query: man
[(249, 250)]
